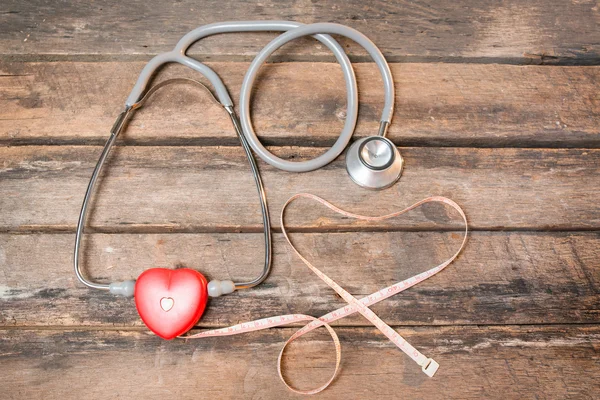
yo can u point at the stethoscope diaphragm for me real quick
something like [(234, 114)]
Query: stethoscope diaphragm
[(374, 162)]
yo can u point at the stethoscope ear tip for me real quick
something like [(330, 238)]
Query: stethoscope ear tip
[(374, 162)]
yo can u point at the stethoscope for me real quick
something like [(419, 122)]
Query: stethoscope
[(373, 162)]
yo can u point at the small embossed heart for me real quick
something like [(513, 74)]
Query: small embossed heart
[(166, 303), (170, 302)]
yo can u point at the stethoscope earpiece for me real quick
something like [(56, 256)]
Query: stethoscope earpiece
[(374, 162)]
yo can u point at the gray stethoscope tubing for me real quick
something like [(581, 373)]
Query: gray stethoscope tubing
[(352, 106), (294, 30), (244, 128), (178, 54), (136, 95)]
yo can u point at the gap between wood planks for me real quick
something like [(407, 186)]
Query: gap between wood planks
[(340, 325), (149, 229), (527, 59), (313, 142)]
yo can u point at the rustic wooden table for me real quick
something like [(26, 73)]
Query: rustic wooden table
[(497, 107)]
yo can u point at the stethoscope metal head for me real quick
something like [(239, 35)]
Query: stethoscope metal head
[(374, 162)]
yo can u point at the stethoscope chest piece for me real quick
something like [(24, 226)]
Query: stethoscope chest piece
[(374, 162)]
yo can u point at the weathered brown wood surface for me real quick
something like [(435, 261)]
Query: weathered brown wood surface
[(502, 277), (436, 104), (176, 188), (479, 362), (516, 316), (530, 31)]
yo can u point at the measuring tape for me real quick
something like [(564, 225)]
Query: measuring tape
[(428, 365)]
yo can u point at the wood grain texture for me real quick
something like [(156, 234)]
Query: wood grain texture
[(532, 31), (492, 362), (157, 189), (500, 278), (518, 146), (305, 104)]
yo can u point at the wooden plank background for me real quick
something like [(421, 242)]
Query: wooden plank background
[(524, 32), (437, 104), (516, 144)]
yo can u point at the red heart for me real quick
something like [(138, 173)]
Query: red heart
[(170, 302)]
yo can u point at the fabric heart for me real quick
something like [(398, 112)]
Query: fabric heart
[(170, 302)]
